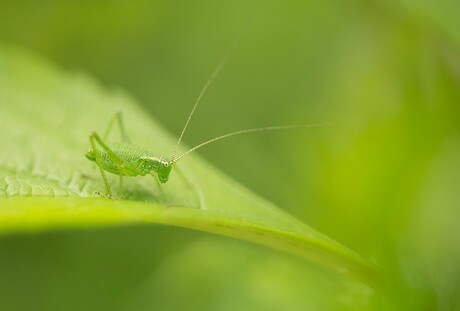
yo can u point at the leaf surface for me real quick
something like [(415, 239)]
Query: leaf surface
[(46, 182)]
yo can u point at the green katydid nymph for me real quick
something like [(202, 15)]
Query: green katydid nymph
[(126, 159)]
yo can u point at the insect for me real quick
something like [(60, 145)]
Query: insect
[(125, 159)]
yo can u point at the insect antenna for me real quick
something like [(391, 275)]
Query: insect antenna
[(259, 129), (214, 74)]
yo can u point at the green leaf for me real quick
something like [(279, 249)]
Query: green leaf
[(46, 182)]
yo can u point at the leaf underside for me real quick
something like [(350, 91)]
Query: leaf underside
[(46, 182)]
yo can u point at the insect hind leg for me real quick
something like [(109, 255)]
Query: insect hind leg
[(98, 162), (94, 138), (118, 118)]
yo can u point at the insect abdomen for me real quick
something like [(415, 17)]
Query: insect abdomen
[(132, 159)]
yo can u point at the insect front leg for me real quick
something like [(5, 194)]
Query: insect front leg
[(162, 192), (195, 190)]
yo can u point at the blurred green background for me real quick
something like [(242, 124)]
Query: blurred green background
[(382, 180)]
